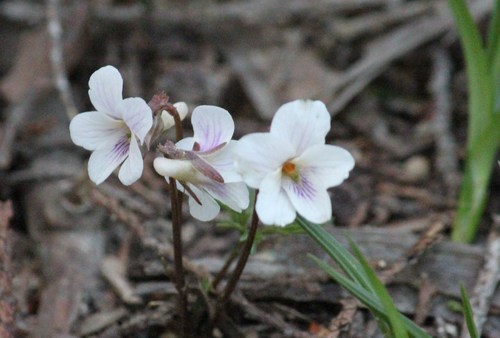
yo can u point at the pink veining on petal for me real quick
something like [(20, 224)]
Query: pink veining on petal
[(212, 136)]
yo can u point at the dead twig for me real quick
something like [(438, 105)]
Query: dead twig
[(15, 118), (486, 283), (113, 270), (272, 319), (345, 316), (7, 300), (254, 12), (429, 237), (60, 77), (446, 147), (113, 206), (352, 28), (426, 292), (391, 46)]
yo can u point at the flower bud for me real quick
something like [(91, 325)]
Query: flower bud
[(168, 120)]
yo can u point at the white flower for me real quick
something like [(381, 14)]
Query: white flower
[(204, 165), (291, 165), (112, 131)]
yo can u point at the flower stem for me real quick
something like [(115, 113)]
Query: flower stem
[(238, 270), (220, 275), (180, 283)]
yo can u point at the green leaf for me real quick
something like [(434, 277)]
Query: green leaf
[(482, 138), (368, 299), (493, 48), (334, 249), (474, 191), (469, 317), (394, 317)]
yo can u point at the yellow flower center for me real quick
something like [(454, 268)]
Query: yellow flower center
[(290, 170)]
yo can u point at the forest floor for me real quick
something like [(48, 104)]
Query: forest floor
[(79, 260)]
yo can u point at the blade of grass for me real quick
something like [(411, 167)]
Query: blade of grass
[(480, 147), (368, 299), (479, 81), (393, 315), (493, 48), (334, 249), (474, 191), (469, 317)]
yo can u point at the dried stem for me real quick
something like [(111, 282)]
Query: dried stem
[(238, 270), (7, 299), (222, 273), (54, 28)]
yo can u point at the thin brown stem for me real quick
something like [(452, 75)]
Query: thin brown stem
[(170, 108), (180, 283), (238, 270), (222, 273)]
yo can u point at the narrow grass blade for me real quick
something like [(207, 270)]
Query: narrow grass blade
[(469, 317), (474, 190), (334, 249), (493, 48), (368, 299), (393, 315), (479, 80), (481, 147)]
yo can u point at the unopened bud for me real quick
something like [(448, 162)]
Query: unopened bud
[(178, 169), (168, 120), (182, 109)]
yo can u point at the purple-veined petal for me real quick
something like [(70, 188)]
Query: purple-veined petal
[(93, 130), (208, 210), (103, 161), (234, 195), (105, 91), (273, 206), (131, 169), (223, 161), (328, 165), (258, 154), (302, 123), (138, 116), (212, 126), (310, 200)]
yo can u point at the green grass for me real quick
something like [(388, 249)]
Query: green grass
[(483, 82)]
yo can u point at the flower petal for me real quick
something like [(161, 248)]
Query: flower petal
[(92, 130), (234, 195), (105, 91), (138, 116), (186, 143), (103, 161), (273, 206), (328, 165), (302, 123), (131, 169), (223, 161), (310, 200), (258, 154), (208, 210), (212, 126), (178, 169)]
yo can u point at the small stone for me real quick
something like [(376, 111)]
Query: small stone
[(417, 168)]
